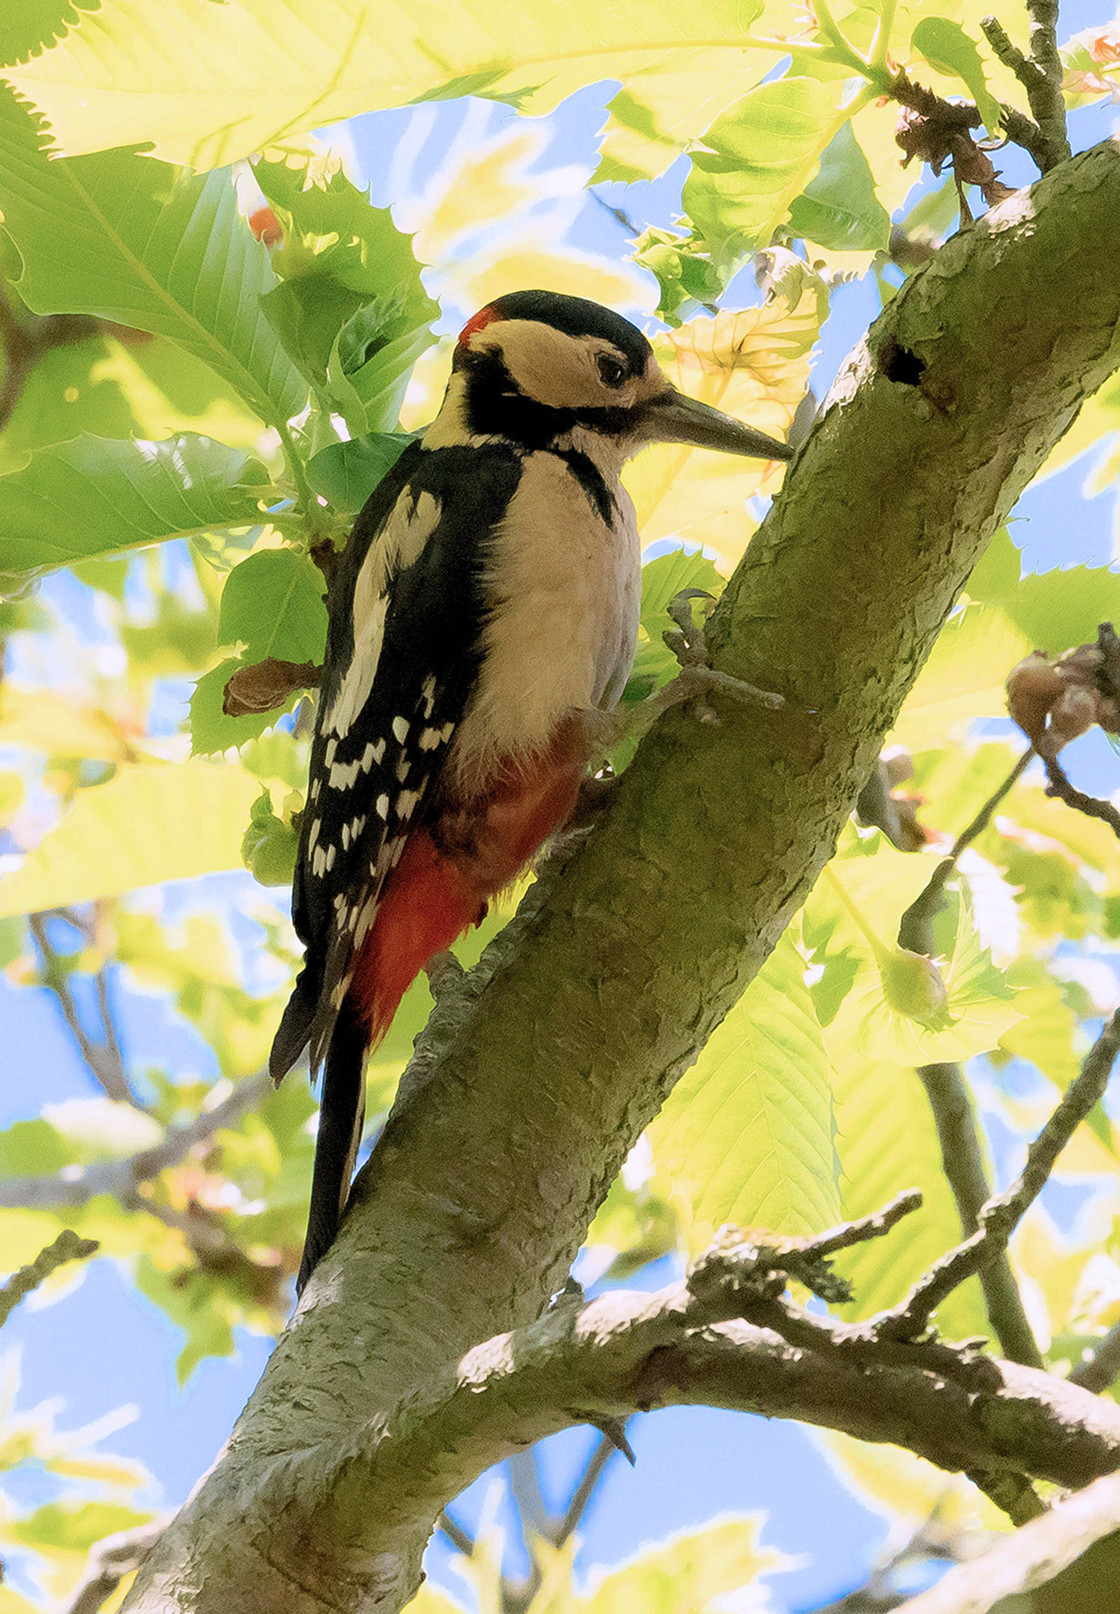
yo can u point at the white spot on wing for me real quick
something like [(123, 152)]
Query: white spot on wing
[(344, 775), (400, 729), (400, 542), (406, 803), (382, 805)]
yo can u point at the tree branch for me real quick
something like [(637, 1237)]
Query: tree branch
[(1102, 1368), (121, 1178), (110, 1561), (951, 1103), (1060, 785), (528, 1090), (1040, 74), (1031, 1557), (66, 1247)]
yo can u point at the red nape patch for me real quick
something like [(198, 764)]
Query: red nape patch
[(427, 905), (478, 322)]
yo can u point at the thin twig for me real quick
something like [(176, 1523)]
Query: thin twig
[(913, 931), (585, 1490), (1059, 785), (102, 1058), (1001, 1216), (66, 1247), (458, 1537), (1048, 103), (958, 1134), (1024, 132), (963, 1164), (1101, 1370)]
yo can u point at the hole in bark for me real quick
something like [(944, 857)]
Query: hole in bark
[(898, 363)]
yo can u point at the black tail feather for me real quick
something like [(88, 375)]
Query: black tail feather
[(295, 1023), (341, 1112)]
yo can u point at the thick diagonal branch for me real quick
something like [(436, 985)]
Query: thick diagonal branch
[(529, 1090)]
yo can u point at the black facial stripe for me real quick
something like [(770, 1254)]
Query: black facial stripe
[(590, 479), (497, 408)]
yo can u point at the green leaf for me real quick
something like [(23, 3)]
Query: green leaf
[(963, 679), (32, 1148), (65, 394), (705, 1569), (253, 74), (150, 247), (269, 845), (888, 1142), (332, 230), (663, 578), (101, 1128), (98, 495), (746, 1136), (351, 310), (839, 209), (27, 25), (153, 822), (1057, 610), (72, 1529), (756, 159), (273, 604), (1047, 1034), (973, 1006), (194, 1302), (345, 474), (948, 49), (212, 731)]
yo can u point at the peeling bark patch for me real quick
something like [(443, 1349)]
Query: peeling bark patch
[(898, 363)]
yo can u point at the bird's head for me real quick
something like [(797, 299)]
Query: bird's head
[(543, 370)]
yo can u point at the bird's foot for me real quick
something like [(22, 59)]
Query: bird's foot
[(445, 974), (697, 677)]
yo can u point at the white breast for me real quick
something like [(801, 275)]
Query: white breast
[(565, 588)]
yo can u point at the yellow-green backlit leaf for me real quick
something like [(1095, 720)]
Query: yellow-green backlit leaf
[(746, 1136), (150, 823), (212, 83)]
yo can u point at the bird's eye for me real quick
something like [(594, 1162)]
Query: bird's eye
[(612, 371)]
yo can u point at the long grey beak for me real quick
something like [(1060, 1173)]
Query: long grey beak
[(672, 417)]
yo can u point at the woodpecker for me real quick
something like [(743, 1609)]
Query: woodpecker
[(482, 619)]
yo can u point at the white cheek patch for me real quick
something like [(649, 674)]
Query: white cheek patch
[(554, 368)]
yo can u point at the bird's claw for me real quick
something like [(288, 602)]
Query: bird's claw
[(697, 676)]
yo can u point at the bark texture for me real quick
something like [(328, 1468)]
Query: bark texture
[(529, 1089)]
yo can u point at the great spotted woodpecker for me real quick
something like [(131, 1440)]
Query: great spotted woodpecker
[(482, 617)]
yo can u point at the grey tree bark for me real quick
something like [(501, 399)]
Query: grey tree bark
[(533, 1082)]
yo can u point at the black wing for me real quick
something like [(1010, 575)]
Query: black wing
[(406, 610)]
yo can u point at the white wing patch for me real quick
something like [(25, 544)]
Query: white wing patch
[(399, 544)]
